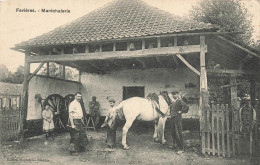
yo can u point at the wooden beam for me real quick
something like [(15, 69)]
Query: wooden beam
[(175, 41), (188, 65), (143, 44), (75, 50), (100, 47), (63, 71), (48, 69), (114, 46), (163, 51), (147, 37), (158, 42), (128, 46), (62, 50), (36, 71), (86, 49), (24, 98), (239, 46), (233, 91), (203, 73), (141, 61), (233, 83), (230, 71)]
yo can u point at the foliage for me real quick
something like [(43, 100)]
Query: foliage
[(9, 77), (55, 70), (228, 15)]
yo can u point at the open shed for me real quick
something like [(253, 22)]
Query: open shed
[(129, 48)]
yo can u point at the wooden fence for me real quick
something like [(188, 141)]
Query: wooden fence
[(224, 131), (9, 117)]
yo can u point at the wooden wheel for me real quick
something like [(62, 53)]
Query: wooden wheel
[(56, 102)]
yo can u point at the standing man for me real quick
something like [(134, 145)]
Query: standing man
[(78, 135), (110, 120), (177, 108), (94, 110)]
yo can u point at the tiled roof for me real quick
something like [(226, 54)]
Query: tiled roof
[(120, 19), (10, 89)]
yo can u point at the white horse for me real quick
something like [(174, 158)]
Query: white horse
[(145, 110)]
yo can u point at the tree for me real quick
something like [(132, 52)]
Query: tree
[(9, 77), (18, 75), (228, 15)]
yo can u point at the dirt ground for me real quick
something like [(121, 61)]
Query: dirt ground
[(143, 150)]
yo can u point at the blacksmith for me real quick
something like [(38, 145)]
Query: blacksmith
[(78, 135), (110, 122), (177, 108), (94, 110)]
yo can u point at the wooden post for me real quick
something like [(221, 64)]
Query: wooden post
[(63, 72), (48, 69), (86, 49), (114, 46), (128, 46), (143, 44), (233, 91), (252, 91), (175, 41), (203, 90), (158, 42), (24, 107)]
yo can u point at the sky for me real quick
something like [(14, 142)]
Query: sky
[(16, 27)]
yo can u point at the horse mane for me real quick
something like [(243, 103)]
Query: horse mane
[(153, 96), (166, 97)]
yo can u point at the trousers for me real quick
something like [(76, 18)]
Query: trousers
[(176, 127)]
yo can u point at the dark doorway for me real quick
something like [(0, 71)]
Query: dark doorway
[(133, 91)]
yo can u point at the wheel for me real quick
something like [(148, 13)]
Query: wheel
[(56, 102)]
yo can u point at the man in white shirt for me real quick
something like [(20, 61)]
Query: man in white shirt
[(78, 135)]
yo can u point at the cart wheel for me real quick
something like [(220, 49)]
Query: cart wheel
[(56, 102)]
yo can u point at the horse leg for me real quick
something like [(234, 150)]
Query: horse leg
[(161, 127), (155, 135), (126, 127)]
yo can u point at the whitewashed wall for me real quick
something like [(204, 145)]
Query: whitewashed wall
[(154, 80), (46, 86)]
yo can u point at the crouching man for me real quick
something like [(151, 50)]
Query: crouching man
[(78, 135)]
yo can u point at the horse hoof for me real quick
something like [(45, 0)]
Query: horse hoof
[(163, 143), (126, 148)]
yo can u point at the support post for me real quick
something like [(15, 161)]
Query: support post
[(63, 71), (252, 90), (48, 69), (24, 109), (233, 91), (203, 91), (143, 44)]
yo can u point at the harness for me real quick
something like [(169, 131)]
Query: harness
[(156, 107)]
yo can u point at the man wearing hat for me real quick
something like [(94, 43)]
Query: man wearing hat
[(110, 121), (94, 110), (176, 109)]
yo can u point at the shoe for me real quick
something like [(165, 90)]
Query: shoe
[(180, 152)]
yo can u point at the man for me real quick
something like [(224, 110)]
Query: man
[(94, 110), (110, 120), (78, 135), (177, 108)]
